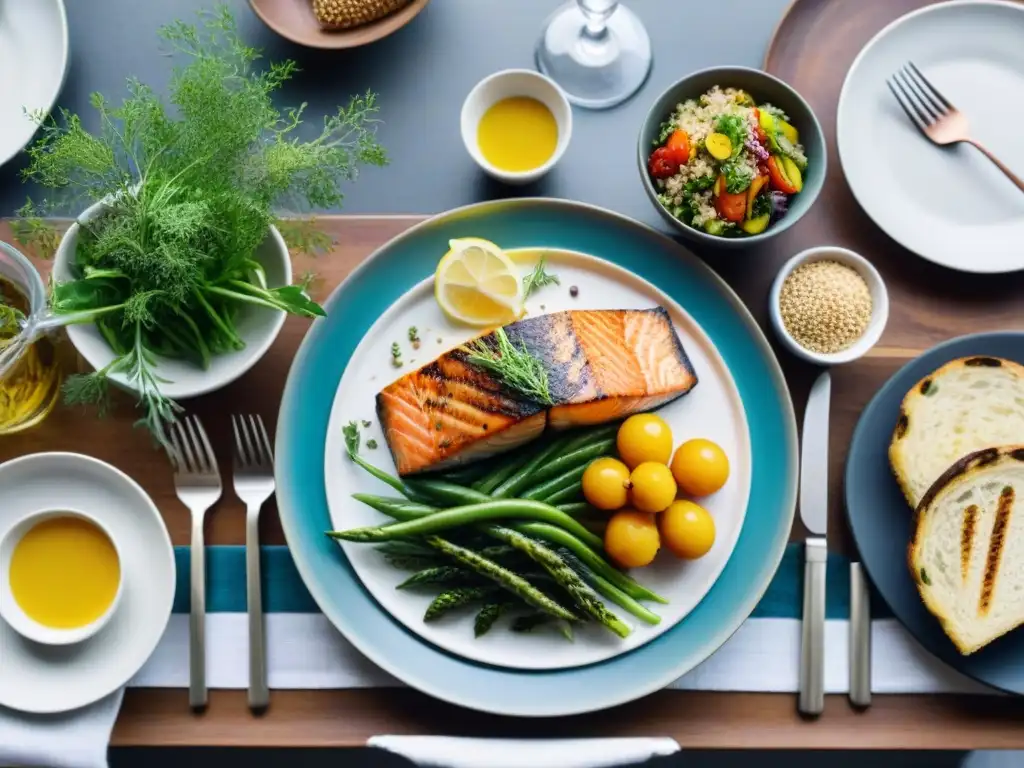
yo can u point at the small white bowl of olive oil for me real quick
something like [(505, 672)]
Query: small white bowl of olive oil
[(61, 577), (516, 124)]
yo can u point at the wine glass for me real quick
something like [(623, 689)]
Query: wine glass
[(597, 51)]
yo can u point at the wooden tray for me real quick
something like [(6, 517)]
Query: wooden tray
[(694, 718)]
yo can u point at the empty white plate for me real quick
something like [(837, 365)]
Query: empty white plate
[(45, 679), (33, 60), (950, 205)]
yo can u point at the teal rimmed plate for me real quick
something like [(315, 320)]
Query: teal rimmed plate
[(302, 434)]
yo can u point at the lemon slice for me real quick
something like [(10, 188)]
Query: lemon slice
[(476, 283)]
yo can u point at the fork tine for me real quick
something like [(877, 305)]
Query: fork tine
[(268, 447), (174, 449), (260, 445), (184, 448), (250, 443), (927, 83), (934, 110), (913, 99), (211, 457), (240, 456), (920, 124)]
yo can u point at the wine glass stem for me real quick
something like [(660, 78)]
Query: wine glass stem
[(597, 13)]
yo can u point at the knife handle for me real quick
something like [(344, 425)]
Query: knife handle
[(860, 638), (812, 646)]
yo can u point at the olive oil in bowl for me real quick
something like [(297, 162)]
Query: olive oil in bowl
[(517, 134), (63, 577)]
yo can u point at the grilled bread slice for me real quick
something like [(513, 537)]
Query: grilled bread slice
[(964, 406), (967, 554)]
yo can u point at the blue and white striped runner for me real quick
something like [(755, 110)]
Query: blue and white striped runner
[(304, 649)]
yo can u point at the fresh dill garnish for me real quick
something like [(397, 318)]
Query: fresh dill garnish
[(537, 279), (351, 433), (366, 424), (396, 355), (515, 366), (189, 186), (371, 444), (414, 337)]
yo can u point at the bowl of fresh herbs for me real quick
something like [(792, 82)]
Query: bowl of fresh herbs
[(176, 278)]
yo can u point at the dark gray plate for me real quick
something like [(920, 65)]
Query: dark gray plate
[(881, 520)]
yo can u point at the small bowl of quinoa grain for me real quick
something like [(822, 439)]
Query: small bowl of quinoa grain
[(828, 305), (731, 156)]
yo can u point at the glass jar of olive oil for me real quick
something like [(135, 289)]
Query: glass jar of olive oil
[(30, 374)]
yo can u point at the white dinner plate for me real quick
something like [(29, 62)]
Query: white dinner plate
[(713, 409), (47, 679), (950, 205), (33, 63)]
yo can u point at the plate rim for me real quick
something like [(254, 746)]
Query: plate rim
[(577, 259), (65, 55), (858, 436), (888, 29), (110, 469), (753, 596)]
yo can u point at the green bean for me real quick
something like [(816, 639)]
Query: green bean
[(581, 457), (503, 576), (402, 510), (489, 614), (447, 493), (555, 484), (576, 508), (438, 574), (456, 597), (503, 509), (391, 480), (582, 594), (406, 547), (568, 494), (586, 435), (609, 590), (508, 467), (521, 478)]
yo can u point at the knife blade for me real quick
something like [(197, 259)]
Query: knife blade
[(814, 513)]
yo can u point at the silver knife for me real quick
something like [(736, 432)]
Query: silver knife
[(814, 513)]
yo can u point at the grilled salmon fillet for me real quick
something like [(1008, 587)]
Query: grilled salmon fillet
[(601, 365)]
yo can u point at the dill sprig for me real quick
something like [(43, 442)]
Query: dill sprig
[(537, 279), (515, 366), (191, 186)]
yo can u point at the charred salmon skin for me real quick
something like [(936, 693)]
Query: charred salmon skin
[(601, 365)]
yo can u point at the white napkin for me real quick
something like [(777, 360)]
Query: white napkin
[(451, 752), (77, 739)]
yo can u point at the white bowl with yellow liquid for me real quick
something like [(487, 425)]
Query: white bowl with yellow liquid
[(62, 576), (48, 678), (516, 125)]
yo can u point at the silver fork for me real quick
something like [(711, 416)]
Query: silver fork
[(254, 484), (935, 117), (197, 483)]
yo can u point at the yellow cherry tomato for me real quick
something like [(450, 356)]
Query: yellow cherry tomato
[(644, 437), (700, 467), (687, 529), (631, 538), (653, 487), (606, 483)]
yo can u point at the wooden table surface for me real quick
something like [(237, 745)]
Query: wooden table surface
[(928, 305)]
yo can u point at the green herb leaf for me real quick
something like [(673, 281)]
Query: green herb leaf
[(351, 433), (537, 279), (514, 366), (737, 177)]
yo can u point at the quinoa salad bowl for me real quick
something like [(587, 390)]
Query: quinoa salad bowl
[(731, 156)]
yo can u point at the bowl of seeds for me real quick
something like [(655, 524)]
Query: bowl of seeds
[(829, 305)]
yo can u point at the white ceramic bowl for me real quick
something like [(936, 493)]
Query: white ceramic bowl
[(257, 326), (879, 304), (504, 85), (12, 613)]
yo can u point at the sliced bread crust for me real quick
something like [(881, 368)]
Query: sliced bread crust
[(966, 405), (967, 552)]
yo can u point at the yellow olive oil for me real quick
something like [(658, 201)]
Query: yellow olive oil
[(517, 134), (30, 390), (64, 572)]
